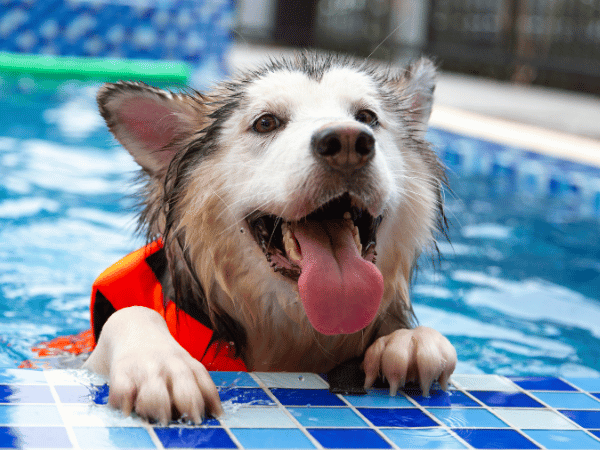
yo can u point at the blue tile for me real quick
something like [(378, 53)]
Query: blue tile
[(327, 417), (506, 399), (390, 417), (587, 419), (247, 396), (379, 398), (572, 400), (481, 438), (446, 399), (25, 394), (233, 379), (306, 397), (271, 438), (83, 394), (427, 438), (586, 384), (563, 439), (30, 437), (194, 438), (467, 418), (414, 390), (113, 437), (348, 438), (597, 396), (541, 384)]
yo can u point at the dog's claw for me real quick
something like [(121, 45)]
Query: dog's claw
[(394, 385), (421, 354)]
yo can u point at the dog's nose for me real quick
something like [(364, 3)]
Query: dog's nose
[(344, 147)]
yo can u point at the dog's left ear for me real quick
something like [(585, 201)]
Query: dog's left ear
[(150, 122), (417, 84)]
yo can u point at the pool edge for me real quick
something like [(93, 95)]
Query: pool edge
[(529, 137)]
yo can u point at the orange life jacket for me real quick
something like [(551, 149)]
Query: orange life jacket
[(134, 281)]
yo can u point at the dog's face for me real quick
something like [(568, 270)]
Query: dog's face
[(305, 179)]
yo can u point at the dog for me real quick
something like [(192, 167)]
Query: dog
[(289, 206)]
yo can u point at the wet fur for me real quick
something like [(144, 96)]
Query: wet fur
[(193, 196)]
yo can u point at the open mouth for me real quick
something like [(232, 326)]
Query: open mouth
[(331, 254), (276, 236)]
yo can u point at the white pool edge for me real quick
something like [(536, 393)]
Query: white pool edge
[(540, 140)]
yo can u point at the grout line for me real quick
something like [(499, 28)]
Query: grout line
[(368, 422), (555, 410), (280, 406), (231, 436), (59, 407), (153, 436), (226, 427), (589, 433), (580, 391), (490, 410)]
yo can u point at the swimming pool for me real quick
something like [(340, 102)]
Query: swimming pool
[(517, 289)]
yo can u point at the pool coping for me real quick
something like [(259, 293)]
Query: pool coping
[(528, 137)]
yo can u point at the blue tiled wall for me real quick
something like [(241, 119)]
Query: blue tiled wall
[(530, 175), (191, 30)]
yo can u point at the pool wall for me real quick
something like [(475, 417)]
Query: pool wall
[(529, 162)]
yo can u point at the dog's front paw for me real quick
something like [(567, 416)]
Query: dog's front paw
[(156, 384), (419, 355)]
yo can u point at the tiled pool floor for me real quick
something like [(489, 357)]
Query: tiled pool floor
[(67, 409)]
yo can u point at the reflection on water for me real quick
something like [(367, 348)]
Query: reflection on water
[(516, 291)]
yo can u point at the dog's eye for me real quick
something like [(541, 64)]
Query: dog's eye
[(266, 123), (367, 117)]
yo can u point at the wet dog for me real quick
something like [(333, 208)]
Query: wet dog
[(292, 202)]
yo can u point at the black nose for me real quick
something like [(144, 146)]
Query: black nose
[(344, 147)]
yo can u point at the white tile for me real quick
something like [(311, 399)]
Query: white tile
[(267, 417), (533, 419), (484, 383), (22, 376), (71, 377), (292, 380), (97, 416), (19, 414)]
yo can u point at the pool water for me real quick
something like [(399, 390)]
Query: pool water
[(516, 290)]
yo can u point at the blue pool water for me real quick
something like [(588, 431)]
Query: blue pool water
[(517, 290)]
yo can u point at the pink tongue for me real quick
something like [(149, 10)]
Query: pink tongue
[(341, 292)]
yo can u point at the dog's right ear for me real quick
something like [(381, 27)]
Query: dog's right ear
[(149, 122)]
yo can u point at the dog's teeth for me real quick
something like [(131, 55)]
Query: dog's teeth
[(357, 241), (348, 221), (290, 245)]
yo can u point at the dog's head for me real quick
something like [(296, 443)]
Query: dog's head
[(307, 178)]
